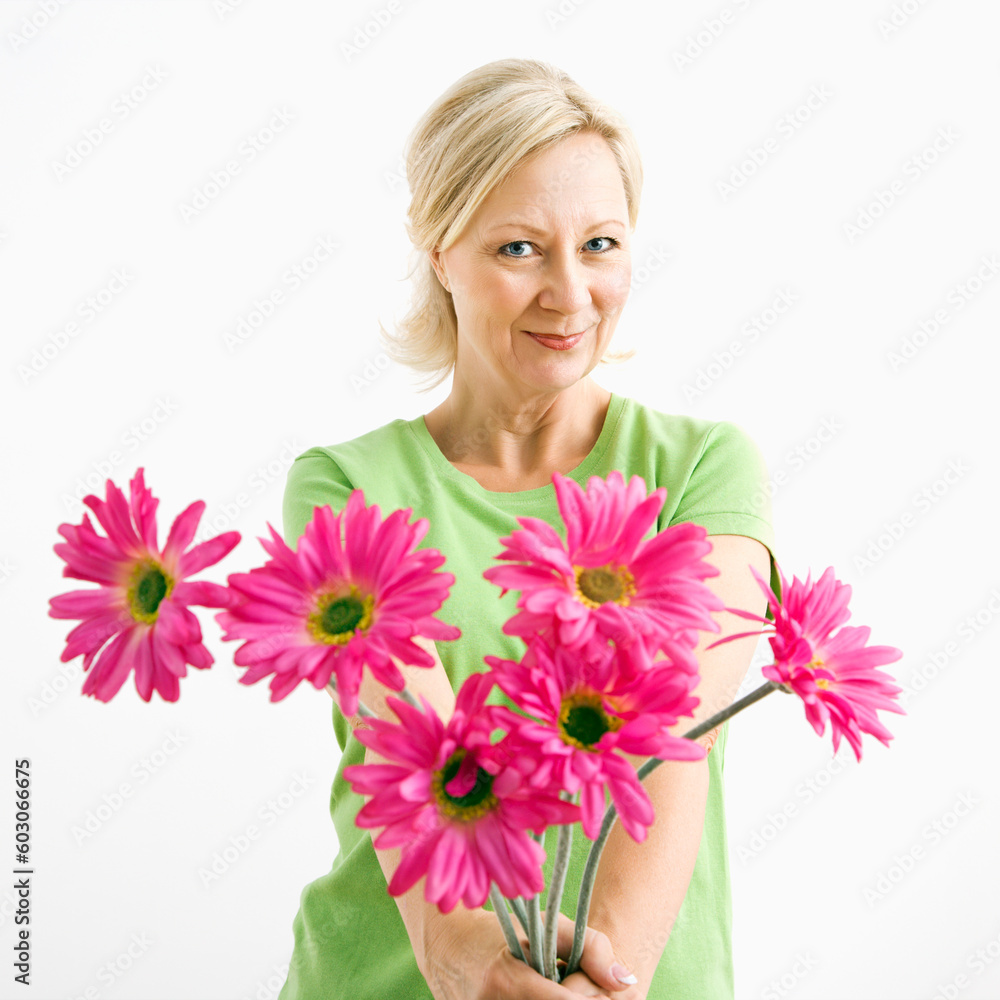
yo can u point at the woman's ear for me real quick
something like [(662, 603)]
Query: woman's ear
[(435, 258)]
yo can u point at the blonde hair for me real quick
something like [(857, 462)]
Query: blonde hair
[(467, 142)]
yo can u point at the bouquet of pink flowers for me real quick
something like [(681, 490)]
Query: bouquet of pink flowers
[(609, 624)]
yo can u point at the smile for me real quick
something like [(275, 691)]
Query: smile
[(556, 343)]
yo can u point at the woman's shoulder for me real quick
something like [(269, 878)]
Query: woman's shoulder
[(680, 433), (365, 447), (327, 474), (713, 470)]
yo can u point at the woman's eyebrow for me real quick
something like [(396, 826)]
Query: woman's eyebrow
[(526, 228)]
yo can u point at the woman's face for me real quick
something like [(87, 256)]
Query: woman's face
[(542, 271)]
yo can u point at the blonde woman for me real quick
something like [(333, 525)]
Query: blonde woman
[(525, 192)]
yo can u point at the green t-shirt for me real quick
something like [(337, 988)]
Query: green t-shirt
[(349, 938)]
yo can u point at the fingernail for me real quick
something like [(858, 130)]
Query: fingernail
[(623, 975)]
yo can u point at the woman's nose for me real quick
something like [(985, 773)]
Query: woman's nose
[(565, 286)]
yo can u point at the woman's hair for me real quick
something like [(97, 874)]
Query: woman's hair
[(467, 142)]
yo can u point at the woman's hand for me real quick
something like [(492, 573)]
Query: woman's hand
[(465, 957), (595, 958)]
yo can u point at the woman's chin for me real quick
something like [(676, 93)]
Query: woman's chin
[(555, 375)]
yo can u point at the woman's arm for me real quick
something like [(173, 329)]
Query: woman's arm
[(417, 914), (640, 887)]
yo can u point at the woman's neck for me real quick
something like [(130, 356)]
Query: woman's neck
[(518, 444)]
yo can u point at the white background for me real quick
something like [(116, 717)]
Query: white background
[(822, 905)]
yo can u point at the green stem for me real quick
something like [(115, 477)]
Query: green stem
[(520, 912), (590, 870), (709, 724), (587, 890), (363, 709), (560, 867), (535, 933), (500, 908)]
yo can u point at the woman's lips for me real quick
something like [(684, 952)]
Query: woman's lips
[(556, 343)]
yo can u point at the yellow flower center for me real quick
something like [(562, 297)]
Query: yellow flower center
[(597, 584), (464, 808), (148, 587), (583, 720), (821, 682), (338, 616)]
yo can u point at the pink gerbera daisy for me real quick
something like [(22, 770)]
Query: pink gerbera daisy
[(833, 672), (449, 800), (337, 603), (604, 583), (585, 712), (141, 605)]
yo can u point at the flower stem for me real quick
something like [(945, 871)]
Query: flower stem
[(563, 845), (363, 710), (500, 908), (715, 720), (587, 890), (517, 905), (535, 933), (590, 871)]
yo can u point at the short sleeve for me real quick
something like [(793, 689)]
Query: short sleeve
[(314, 480), (728, 491)]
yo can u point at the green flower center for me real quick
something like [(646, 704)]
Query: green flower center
[(148, 587), (338, 616), (596, 585), (478, 801), (583, 720)]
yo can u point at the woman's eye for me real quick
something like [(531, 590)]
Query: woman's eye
[(610, 240), (517, 246), (522, 248)]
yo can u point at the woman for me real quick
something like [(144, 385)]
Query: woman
[(525, 193)]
